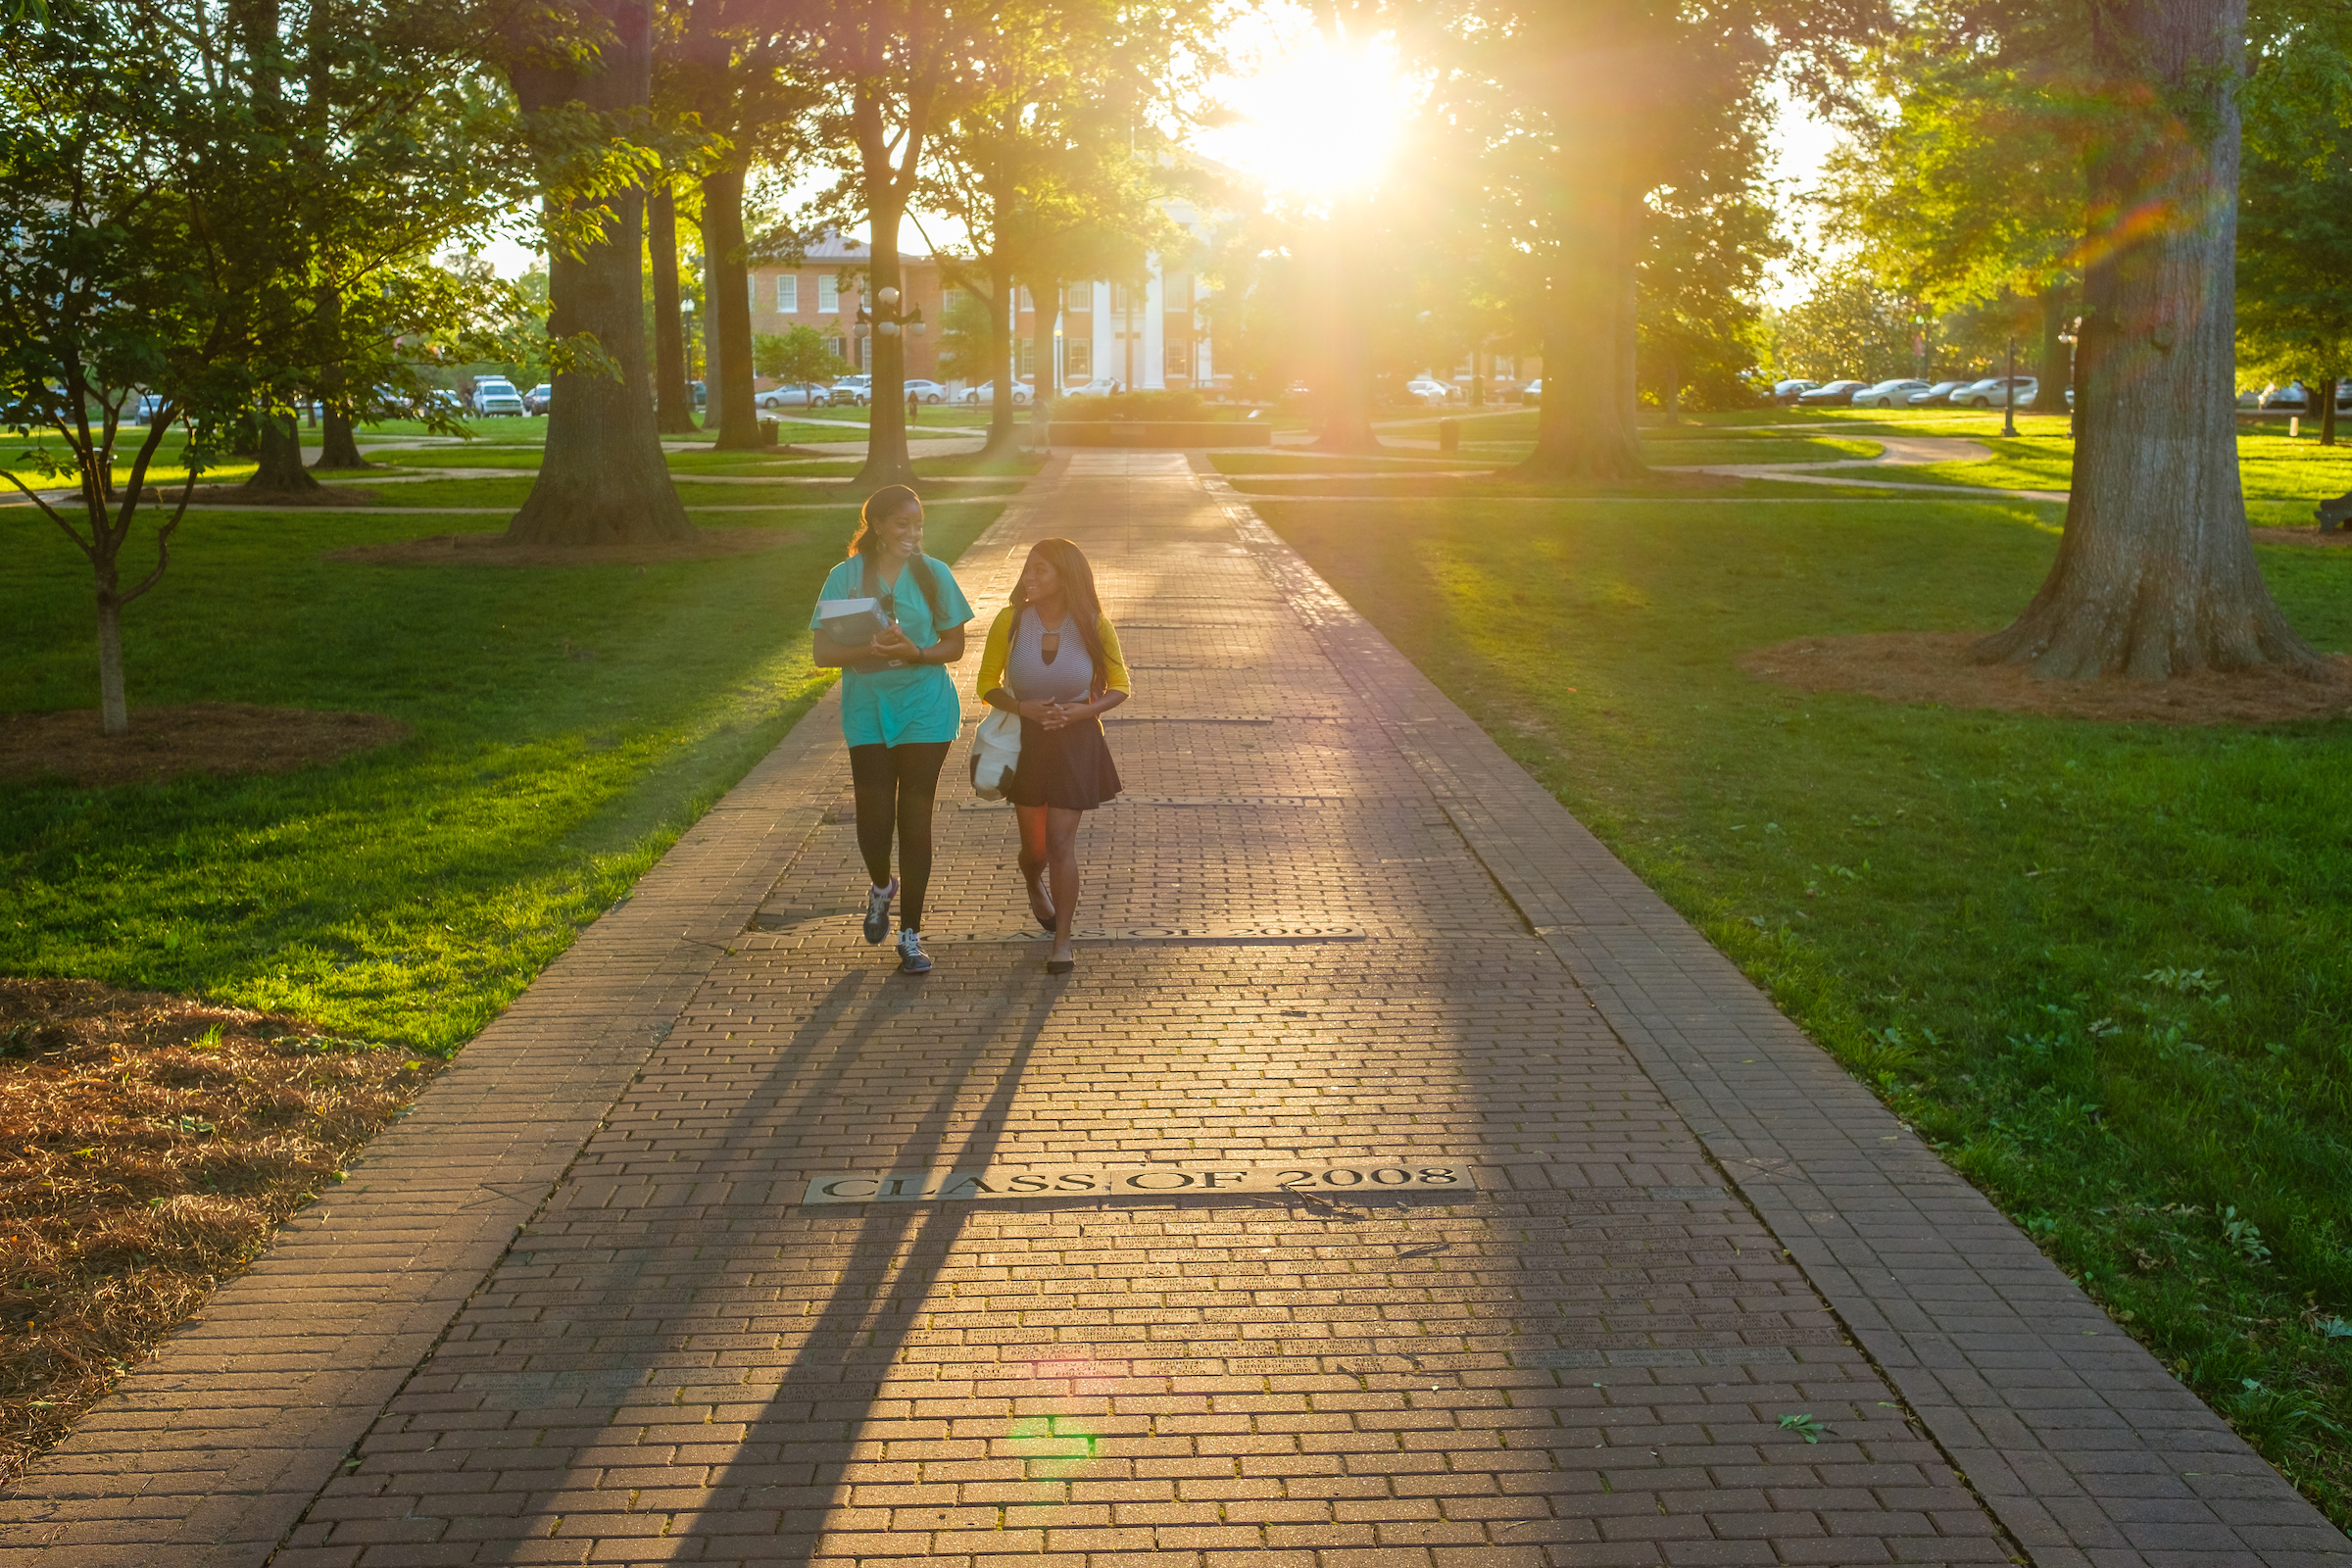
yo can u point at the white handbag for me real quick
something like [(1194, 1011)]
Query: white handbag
[(996, 752)]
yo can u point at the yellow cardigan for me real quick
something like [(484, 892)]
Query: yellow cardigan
[(999, 649)]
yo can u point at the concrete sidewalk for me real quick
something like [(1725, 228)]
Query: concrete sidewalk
[(1427, 1192)]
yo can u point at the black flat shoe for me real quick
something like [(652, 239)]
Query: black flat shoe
[(1061, 966), (1040, 906)]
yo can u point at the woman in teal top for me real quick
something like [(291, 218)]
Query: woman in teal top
[(899, 710)]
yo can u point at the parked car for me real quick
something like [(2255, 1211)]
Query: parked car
[(1830, 394), (493, 394), (794, 395), (1937, 396), (1995, 392), (1895, 394), (699, 395), (1791, 391), (985, 393), (1533, 392), (1433, 394), (1103, 386), (852, 391), (923, 392), (538, 400), (2296, 397), (143, 407)]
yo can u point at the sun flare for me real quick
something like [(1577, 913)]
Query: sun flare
[(1321, 121)]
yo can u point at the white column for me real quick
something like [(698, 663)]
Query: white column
[(1151, 360)]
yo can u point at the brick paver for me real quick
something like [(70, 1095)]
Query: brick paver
[(1380, 944)]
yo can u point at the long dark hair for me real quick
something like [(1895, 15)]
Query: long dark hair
[(880, 507), (1078, 597)]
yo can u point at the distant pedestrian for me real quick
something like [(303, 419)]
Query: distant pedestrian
[(1053, 659), (899, 709)]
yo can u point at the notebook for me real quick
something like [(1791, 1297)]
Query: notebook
[(850, 623)]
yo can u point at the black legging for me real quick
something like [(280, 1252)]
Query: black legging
[(894, 786)]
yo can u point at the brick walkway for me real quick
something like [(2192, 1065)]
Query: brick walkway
[(574, 1308)]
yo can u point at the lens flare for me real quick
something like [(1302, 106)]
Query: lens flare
[(1321, 123)]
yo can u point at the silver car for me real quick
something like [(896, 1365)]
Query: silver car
[(794, 395), (494, 395)]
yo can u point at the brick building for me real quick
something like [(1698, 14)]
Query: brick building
[(1145, 337)]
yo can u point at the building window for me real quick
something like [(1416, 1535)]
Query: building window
[(1027, 367), (788, 293), (1082, 296), (1077, 358), (828, 292), (1023, 300), (1118, 299), (1177, 291), (751, 291), (841, 349), (1179, 360)]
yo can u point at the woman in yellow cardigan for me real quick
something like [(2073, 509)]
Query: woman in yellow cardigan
[(1053, 658)]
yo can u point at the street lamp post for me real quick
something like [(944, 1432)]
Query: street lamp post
[(686, 331), (2009, 394), (885, 319)]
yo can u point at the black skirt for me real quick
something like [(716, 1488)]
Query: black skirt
[(1068, 767)]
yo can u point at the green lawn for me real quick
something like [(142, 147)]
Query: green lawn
[(2100, 966), (568, 723)]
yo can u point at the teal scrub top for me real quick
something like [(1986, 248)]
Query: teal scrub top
[(901, 707)]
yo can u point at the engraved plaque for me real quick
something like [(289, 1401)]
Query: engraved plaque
[(1323, 1178)]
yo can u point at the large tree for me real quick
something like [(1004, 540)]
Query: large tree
[(158, 182), (588, 93), (1571, 114), (897, 71), (739, 67), (1044, 149), (2155, 574), (1966, 190), (2295, 229)]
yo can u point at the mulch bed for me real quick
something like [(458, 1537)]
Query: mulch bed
[(1930, 667), (2302, 536), (244, 496), (150, 1145), (494, 550), (194, 738)]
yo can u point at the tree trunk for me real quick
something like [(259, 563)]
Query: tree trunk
[(1343, 387), (710, 346), (279, 471), (114, 711), (338, 446), (2049, 390), (603, 480), (729, 388), (1585, 428), (674, 404), (1044, 324), (886, 460), (1003, 311), (2156, 574), (2326, 395)]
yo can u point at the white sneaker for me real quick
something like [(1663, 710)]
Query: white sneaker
[(877, 911), (911, 957)]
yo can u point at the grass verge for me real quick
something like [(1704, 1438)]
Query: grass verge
[(2099, 966), (567, 723)]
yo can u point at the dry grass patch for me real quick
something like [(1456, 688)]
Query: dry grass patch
[(149, 1146)]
